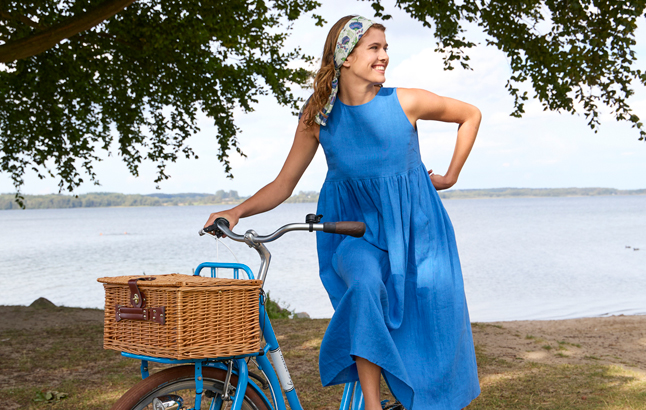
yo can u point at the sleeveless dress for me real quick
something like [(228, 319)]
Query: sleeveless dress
[(397, 292)]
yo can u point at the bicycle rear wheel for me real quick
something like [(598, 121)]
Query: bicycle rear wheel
[(180, 381)]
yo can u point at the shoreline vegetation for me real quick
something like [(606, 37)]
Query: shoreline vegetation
[(53, 357), (221, 197)]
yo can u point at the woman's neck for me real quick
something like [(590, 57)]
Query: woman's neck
[(353, 94)]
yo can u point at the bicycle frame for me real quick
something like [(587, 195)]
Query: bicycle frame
[(278, 378)]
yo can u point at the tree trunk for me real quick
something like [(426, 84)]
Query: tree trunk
[(48, 38)]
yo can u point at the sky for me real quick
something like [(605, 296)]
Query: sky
[(540, 150)]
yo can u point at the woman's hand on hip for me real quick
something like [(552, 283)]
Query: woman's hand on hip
[(440, 182)]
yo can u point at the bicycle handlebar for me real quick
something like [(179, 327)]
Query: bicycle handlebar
[(221, 227)]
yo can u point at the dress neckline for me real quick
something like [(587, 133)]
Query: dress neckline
[(361, 105)]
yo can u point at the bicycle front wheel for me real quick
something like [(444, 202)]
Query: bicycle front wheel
[(181, 381)]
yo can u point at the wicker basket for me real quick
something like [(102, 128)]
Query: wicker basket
[(204, 317)]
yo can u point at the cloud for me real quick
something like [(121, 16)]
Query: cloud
[(425, 70)]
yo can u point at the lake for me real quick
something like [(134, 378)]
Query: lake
[(522, 258)]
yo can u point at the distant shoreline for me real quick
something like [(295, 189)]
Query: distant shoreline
[(110, 199), (536, 192)]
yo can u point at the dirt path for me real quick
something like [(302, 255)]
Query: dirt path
[(60, 348), (606, 340), (615, 339)]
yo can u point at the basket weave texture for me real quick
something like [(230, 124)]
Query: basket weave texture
[(205, 317)]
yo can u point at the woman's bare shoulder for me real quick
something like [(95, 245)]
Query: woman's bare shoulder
[(307, 132), (413, 99), (414, 93)]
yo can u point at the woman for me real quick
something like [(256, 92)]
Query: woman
[(398, 295)]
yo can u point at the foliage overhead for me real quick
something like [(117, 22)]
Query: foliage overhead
[(577, 55), (141, 74), (78, 72)]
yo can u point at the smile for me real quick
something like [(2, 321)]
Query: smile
[(379, 68)]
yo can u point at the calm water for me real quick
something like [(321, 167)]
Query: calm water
[(529, 258)]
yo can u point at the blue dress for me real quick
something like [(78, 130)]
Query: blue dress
[(397, 292)]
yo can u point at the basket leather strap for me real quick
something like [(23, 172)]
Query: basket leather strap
[(156, 314), (138, 311), (136, 298)]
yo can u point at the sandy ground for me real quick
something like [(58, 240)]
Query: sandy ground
[(608, 340), (615, 339)]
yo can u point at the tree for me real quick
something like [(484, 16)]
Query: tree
[(584, 58), (78, 71)]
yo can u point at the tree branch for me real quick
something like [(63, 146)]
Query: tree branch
[(44, 40)]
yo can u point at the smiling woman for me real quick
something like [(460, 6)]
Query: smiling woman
[(398, 295), (326, 82), (368, 61)]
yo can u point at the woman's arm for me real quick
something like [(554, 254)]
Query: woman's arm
[(273, 194), (424, 105)]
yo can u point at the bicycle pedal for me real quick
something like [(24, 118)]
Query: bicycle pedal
[(395, 406)]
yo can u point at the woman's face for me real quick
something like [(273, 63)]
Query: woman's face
[(369, 58)]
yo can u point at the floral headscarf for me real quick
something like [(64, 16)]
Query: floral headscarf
[(349, 36)]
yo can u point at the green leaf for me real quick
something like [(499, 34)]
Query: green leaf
[(139, 81), (587, 52)]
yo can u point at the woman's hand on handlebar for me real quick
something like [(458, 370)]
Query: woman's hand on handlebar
[(228, 215)]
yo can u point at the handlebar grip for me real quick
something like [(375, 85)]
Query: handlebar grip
[(356, 229), (225, 221), (215, 229)]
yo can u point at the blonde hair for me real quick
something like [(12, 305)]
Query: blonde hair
[(325, 75)]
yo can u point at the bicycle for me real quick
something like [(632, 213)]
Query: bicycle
[(226, 382)]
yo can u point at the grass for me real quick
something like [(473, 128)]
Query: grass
[(564, 343), (71, 360), (538, 386)]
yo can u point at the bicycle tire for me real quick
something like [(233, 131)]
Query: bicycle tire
[(173, 379)]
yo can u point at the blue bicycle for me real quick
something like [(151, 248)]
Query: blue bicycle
[(236, 382)]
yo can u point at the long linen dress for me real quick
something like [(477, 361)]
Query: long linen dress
[(397, 292)]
